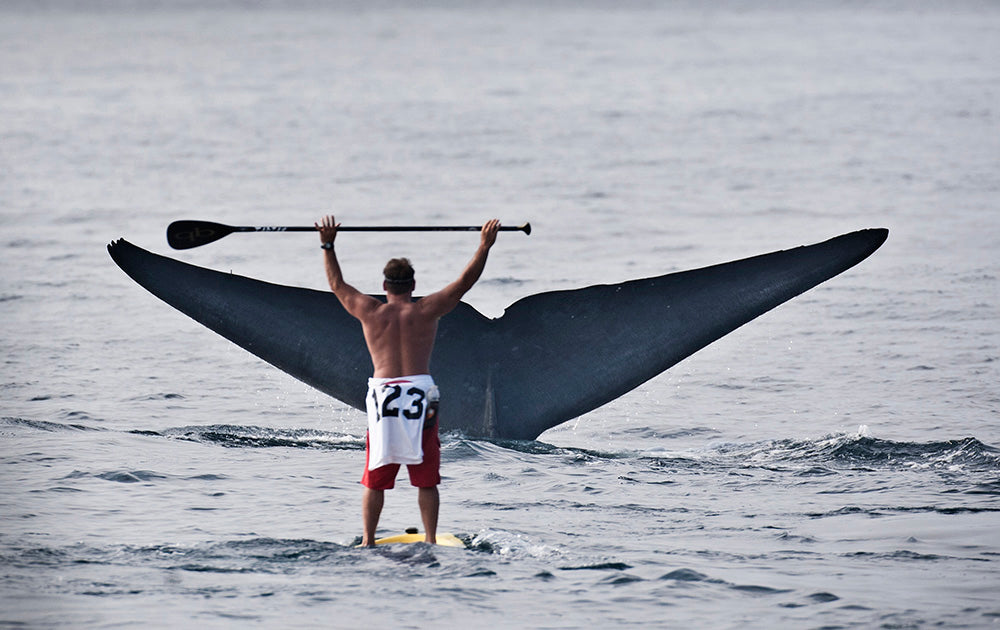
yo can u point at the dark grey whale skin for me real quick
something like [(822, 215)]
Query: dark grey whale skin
[(551, 357)]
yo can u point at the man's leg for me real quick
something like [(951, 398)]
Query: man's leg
[(371, 509), (429, 502)]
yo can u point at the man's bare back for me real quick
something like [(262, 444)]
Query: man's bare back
[(400, 338)]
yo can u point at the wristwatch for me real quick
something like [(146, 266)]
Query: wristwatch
[(327, 245)]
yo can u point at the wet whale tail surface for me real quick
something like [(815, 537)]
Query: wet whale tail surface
[(505, 377)]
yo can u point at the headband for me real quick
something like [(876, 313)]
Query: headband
[(398, 280)]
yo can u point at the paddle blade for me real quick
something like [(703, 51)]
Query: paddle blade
[(188, 234)]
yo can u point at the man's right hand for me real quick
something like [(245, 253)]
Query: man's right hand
[(489, 233)]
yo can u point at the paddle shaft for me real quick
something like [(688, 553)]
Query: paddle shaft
[(385, 228), (188, 234)]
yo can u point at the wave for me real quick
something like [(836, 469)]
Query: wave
[(812, 457), (120, 476), (461, 446), (227, 435), (44, 425), (863, 452), (236, 436), (256, 555), (831, 454)]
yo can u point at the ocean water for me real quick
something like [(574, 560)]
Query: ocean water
[(833, 464)]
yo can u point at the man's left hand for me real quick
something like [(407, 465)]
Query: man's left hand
[(328, 230)]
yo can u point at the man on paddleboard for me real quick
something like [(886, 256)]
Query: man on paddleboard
[(402, 397)]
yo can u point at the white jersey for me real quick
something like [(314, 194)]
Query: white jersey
[(396, 411)]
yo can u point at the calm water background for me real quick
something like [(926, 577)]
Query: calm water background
[(832, 464)]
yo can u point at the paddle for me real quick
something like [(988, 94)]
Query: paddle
[(188, 234)]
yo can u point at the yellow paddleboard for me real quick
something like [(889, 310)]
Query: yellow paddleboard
[(443, 540)]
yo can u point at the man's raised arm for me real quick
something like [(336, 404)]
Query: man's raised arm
[(441, 303), (354, 302)]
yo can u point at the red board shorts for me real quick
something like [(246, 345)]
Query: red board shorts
[(424, 475)]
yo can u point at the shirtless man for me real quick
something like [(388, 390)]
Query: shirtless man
[(400, 336)]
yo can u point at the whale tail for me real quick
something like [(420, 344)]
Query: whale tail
[(506, 377)]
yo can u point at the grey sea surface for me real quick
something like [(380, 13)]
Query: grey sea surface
[(832, 464)]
